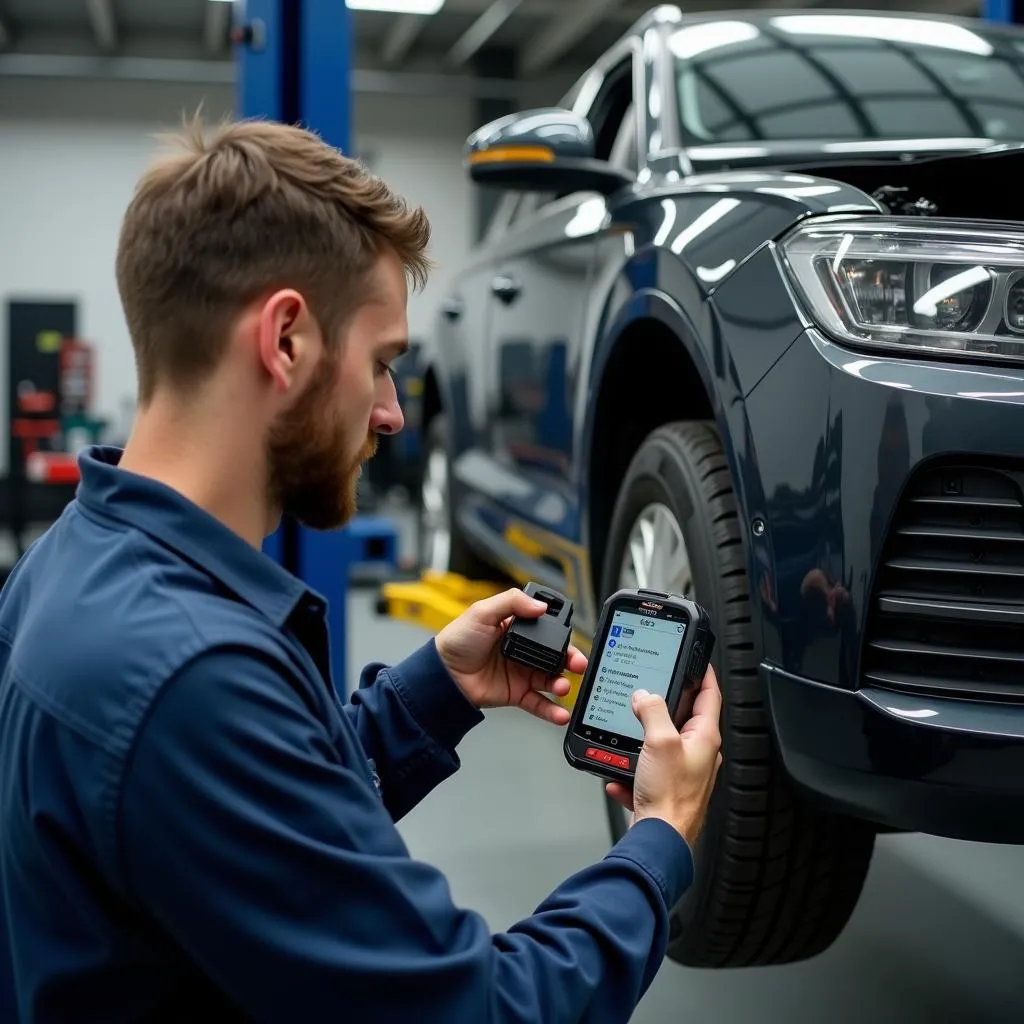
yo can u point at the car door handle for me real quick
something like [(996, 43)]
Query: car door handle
[(505, 287), (452, 307)]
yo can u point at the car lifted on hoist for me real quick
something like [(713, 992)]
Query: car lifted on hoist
[(748, 325)]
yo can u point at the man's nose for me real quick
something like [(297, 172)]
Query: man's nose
[(388, 418)]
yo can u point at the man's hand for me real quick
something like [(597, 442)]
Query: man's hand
[(470, 647), (676, 771)]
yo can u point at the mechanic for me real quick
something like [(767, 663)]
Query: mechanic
[(193, 821)]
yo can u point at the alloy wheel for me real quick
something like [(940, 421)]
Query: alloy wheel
[(656, 557)]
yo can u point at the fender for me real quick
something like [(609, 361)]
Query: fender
[(729, 217), (721, 386), (738, 214), (644, 304), (721, 379)]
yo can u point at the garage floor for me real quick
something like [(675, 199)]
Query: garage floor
[(938, 936)]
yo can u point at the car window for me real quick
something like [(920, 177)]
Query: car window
[(610, 108), (779, 78)]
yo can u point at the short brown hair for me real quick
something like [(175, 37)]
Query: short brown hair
[(253, 206)]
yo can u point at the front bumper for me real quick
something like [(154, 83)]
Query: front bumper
[(946, 767), (835, 440), (897, 692)]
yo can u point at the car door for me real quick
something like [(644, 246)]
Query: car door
[(538, 292), (509, 465), (540, 279), (460, 337)]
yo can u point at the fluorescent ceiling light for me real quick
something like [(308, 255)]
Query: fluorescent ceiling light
[(397, 6)]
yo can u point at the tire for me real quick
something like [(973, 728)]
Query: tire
[(436, 511), (775, 880)]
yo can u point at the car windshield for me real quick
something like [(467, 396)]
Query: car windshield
[(806, 76)]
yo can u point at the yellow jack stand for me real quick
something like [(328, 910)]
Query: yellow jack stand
[(432, 601)]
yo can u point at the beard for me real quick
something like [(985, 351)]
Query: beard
[(312, 475)]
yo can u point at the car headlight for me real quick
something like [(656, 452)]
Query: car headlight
[(939, 287)]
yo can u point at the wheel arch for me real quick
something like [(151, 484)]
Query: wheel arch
[(675, 375)]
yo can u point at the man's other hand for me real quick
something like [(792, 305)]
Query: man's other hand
[(470, 647)]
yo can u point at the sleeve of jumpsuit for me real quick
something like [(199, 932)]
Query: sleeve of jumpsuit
[(410, 718), (275, 867)]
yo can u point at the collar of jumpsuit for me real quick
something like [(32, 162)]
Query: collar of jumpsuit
[(170, 519)]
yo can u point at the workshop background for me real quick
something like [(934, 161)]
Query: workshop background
[(84, 87)]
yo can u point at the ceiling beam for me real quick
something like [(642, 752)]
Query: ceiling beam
[(104, 24), (401, 37), (215, 27), (481, 31), (222, 72), (564, 33)]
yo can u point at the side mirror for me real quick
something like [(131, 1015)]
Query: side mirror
[(546, 150)]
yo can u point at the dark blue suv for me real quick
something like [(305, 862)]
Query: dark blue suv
[(749, 326)]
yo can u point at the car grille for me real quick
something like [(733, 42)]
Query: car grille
[(947, 611)]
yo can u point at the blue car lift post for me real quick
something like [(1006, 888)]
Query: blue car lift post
[(294, 59), (1003, 12)]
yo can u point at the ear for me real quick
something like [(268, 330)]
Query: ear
[(289, 339)]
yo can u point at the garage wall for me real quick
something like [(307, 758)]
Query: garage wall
[(70, 153)]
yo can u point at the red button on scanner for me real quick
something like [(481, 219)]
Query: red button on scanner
[(607, 757)]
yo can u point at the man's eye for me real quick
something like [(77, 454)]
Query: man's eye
[(386, 368)]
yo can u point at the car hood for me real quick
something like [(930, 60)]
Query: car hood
[(953, 179)]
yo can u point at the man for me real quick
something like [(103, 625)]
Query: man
[(193, 822)]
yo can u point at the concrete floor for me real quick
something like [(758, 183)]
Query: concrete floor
[(938, 935)]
